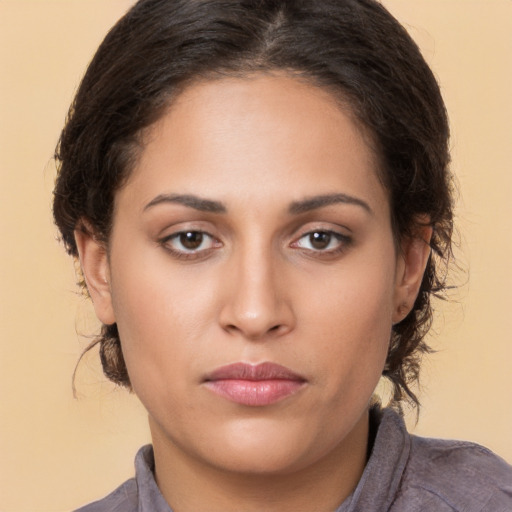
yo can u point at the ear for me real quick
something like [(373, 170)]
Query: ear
[(95, 268), (411, 264)]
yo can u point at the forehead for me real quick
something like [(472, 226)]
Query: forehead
[(233, 138)]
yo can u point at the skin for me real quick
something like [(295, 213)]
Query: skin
[(257, 289)]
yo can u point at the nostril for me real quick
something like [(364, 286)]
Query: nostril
[(275, 329)]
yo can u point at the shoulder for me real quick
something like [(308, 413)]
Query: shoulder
[(123, 499), (137, 494), (457, 476)]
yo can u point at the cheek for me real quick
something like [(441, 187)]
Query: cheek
[(350, 319), (157, 313)]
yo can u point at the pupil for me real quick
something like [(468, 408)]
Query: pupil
[(320, 240), (191, 240)]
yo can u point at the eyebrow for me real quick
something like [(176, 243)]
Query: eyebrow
[(312, 203), (296, 208), (189, 200)]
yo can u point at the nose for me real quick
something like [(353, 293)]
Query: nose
[(256, 303)]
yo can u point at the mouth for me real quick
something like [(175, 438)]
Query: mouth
[(254, 385)]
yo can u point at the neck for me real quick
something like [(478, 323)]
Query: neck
[(190, 485)]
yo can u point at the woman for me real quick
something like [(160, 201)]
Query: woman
[(259, 195)]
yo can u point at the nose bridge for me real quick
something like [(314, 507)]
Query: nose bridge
[(256, 305)]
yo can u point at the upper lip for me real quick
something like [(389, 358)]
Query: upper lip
[(258, 372)]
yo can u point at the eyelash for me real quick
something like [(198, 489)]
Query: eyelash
[(185, 254), (343, 242)]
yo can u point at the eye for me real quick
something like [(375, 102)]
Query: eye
[(322, 241), (188, 243)]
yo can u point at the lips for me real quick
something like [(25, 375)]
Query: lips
[(254, 385)]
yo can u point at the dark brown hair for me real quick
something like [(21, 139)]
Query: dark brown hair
[(355, 48)]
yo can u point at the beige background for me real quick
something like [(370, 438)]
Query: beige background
[(57, 452)]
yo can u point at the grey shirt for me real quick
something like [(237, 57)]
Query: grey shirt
[(404, 473)]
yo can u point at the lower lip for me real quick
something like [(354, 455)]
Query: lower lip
[(254, 393)]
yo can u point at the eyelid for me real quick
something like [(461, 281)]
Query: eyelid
[(185, 253), (344, 241)]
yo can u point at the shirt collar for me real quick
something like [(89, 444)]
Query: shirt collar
[(381, 477), (150, 497)]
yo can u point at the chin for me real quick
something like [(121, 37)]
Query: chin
[(265, 447), (268, 460)]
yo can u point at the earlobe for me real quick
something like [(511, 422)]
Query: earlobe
[(415, 252), (95, 268)]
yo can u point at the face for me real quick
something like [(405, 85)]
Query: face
[(253, 275)]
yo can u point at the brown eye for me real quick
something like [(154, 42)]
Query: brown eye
[(320, 240), (191, 240), (327, 242), (189, 243)]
